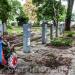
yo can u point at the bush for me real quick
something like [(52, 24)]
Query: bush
[(9, 26), (61, 42), (70, 33), (67, 42), (22, 20), (56, 42)]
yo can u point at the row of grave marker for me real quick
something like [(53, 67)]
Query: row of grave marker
[(27, 34)]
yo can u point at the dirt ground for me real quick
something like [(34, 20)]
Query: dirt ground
[(34, 63), (38, 61)]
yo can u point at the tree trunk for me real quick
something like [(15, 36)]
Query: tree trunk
[(51, 31), (56, 29), (57, 14), (55, 20), (68, 15)]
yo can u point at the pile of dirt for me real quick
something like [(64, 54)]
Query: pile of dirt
[(53, 61)]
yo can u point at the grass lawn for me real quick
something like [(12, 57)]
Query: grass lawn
[(17, 30)]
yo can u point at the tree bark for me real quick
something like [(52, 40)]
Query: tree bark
[(51, 31), (55, 20), (68, 15)]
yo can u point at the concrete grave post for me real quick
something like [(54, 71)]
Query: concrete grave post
[(26, 38), (61, 28), (44, 33)]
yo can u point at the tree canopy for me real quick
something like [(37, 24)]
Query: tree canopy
[(30, 10), (47, 8), (5, 8), (17, 9)]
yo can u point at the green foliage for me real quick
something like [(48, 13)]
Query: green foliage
[(18, 29), (37, 2), (17, 9), (61, 42), (21, 20), (46, 9), (69, 33), (56, 42), (5, 8), (9, 26), (67, 42)]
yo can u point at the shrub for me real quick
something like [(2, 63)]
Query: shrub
[(70, 33), (22, 20), (61, 42), (9, 26), (67, 42), (56, 42)]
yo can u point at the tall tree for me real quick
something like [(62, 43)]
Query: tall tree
[(68, 15), (30, 10), (18, 12), (16, 9), (5, 8), (49, 10)]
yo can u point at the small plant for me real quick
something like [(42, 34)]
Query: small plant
[(70, 33), (61, 42), (67, 42), (56, 42), (9, 26)]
